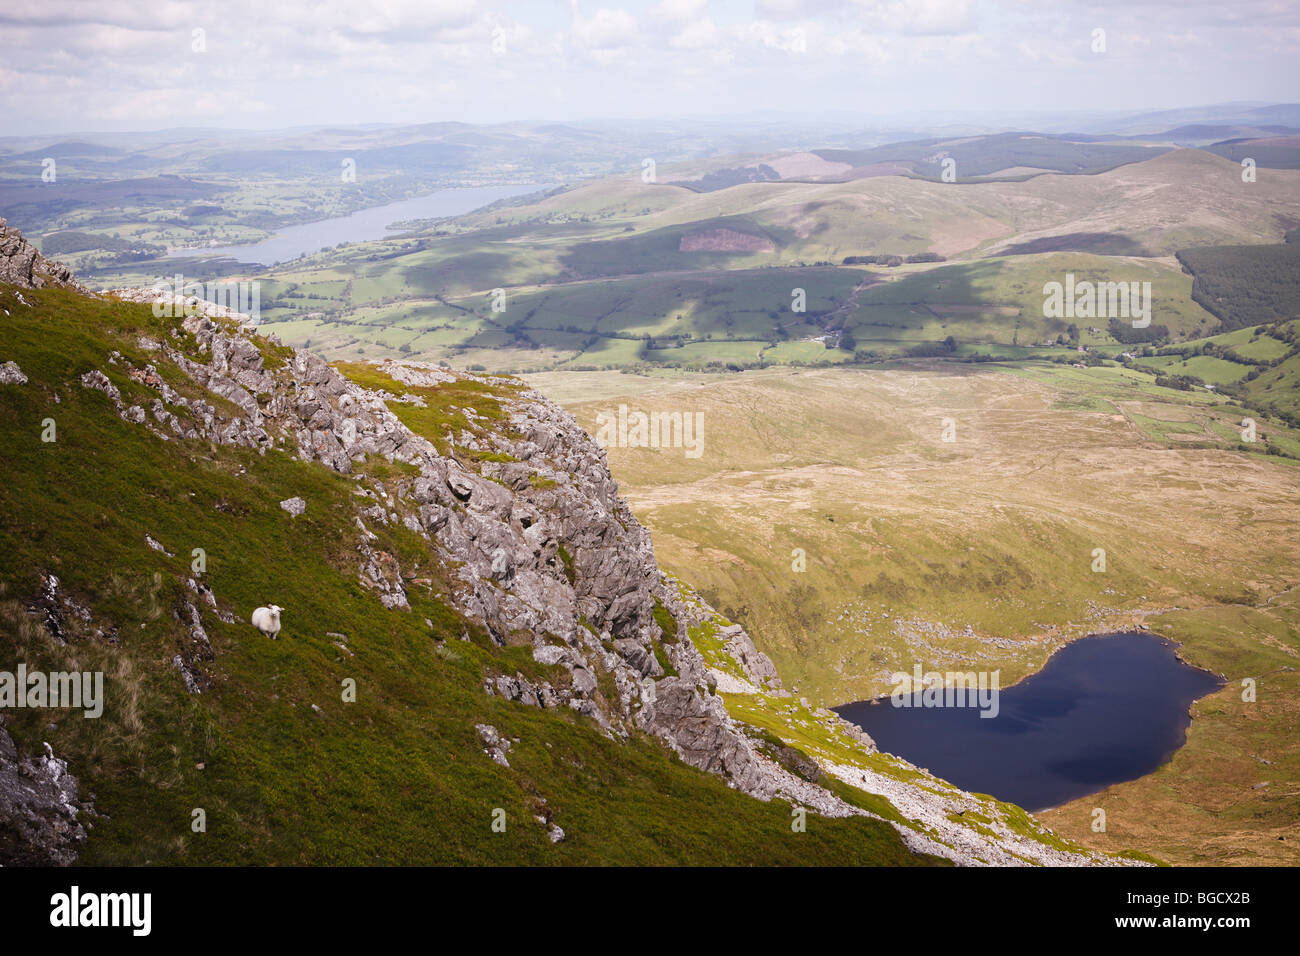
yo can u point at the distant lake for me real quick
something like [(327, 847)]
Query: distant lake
[(1104, 709), (362, 226)]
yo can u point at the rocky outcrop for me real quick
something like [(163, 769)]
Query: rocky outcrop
[(39, 808), (64, 618), (701, 731), (195, 648), (21, 264), (494, 745), (530, 520)]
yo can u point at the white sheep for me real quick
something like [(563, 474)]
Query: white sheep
[(267, 620)]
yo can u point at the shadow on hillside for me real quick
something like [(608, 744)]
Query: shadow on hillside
[(660, 250), (894, 314), (465, 273), (1098, 243)]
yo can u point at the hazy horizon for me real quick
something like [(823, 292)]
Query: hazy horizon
[(1017, 120)]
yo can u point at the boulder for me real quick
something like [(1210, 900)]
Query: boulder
[(295, 506)]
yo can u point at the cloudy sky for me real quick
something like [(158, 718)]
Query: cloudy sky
[(69, 65)]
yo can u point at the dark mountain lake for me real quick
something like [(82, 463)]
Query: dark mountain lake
[(361, 226), (1104, 709)]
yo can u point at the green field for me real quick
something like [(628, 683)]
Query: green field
[(1207, 368)]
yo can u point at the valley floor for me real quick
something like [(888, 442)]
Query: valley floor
[(829, 515)]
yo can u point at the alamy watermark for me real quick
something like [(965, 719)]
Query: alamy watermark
[(1098, 300), (78, 690), (951, 689), (133, 911), (180, 298), (638, 429)]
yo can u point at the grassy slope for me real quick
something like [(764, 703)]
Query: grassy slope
[(398, 776), (1017, 282), (1272, 385)]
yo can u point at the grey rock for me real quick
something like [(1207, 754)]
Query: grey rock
[(99, 381), (550, 654), (701, 732), (194, 651), (494, 745), (584, 681), (22, 265), (295, 506), (758, 667), (639, 657), (460, 486), (39, 810)]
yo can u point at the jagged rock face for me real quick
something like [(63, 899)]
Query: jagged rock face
[(38, 809), (22, 265), (755, 663), (703, 734), (515, 518), (541, 543)]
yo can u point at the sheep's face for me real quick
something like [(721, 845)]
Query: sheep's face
[(276, 608)]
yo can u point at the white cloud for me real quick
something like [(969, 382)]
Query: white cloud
[(795, 9), (697, 35), (606, 30), (676, 11), (79, 65)]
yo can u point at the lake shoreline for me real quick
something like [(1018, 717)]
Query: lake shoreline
[(1178, 647), (371, 224), (1117, 710)]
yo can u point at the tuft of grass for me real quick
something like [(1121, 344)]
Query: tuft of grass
[(666, 621), (664, 661), (566, 559)]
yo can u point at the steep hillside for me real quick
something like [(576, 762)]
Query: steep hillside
[(474, 630)]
